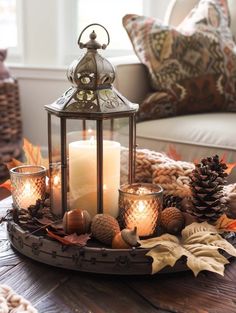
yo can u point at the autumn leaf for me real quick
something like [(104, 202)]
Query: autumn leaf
[(6, 185), (230, 166), (199, 242), (13, 163), (69, 240), (33, 154), (173, 154), (225, 224)]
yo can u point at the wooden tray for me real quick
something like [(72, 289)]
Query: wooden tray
[(87, 259)]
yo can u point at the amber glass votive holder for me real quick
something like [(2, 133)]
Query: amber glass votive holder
[(28, 184), (140, 206)]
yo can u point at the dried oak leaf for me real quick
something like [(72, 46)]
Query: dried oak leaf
[(199, 243), (69, 240), (225, 224)]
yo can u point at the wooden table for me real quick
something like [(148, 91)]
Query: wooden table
[(54, 290)]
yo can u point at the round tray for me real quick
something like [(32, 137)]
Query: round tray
[(87, 259)]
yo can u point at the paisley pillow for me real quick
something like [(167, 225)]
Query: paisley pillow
[(192, 67)]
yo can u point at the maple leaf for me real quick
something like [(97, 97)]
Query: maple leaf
[(200, 243), (173, 154), (72, 239)]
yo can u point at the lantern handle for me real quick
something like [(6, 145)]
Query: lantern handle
[(92, 43)]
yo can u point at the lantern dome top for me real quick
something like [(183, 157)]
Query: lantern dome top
[(91, 93)]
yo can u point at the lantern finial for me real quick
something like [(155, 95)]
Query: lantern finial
[(92, 44)]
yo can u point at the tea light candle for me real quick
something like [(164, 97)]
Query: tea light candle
[(140, 206), (83, 175), (28, 185)]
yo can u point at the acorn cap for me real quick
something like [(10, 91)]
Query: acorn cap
[(130, 236)]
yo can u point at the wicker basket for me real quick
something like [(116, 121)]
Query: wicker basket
[(10, 124)]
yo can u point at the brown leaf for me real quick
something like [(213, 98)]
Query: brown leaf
[(80, 240), (70, 240)]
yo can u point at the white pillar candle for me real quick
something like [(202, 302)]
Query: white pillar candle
[(83, 175)]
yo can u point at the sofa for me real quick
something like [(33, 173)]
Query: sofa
[(190, 136)]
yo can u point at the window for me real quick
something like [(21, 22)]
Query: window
[(45, 33), (8, 24), (109, 13)]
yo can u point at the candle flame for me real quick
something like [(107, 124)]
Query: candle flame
[(92, 140), (104, 187), (141, 207), (27, 188), (90, 131), (56, 180)]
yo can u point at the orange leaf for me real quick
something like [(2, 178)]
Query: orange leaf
[(230, 167), (173, 154), (13, 163), (6, 185), (33, 154), (225, 224)]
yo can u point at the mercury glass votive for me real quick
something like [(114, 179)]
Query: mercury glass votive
[(140, 205), (28, 183)]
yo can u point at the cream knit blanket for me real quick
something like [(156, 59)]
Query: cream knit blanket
[(10, 302)]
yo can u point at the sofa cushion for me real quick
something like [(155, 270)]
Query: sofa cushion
[(193, 136), (192, 67)]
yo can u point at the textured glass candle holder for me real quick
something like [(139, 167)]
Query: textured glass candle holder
[(28, 185), (140, 205)]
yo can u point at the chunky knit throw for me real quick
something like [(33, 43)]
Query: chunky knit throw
[(10, 302)]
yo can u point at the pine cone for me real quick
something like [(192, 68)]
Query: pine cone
[(207, 181), (171, 201)]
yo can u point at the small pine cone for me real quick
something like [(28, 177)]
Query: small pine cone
[(172, 220), (171, 201), (104, 227)]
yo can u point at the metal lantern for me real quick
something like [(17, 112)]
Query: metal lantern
[(85, 156)]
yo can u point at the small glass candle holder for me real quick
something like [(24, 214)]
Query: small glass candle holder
[(140, 206), (28, 183)]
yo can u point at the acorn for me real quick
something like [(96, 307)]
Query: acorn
[(125, 239), (76, 221), (104, 227), (172, 220)]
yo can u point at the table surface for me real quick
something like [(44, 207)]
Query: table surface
[(54, 290)]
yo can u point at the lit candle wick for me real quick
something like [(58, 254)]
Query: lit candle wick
[(141, 207)]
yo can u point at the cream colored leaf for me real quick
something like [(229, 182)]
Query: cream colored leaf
[(207, 258), (196, 228), (165, 239), (200, 243), (164, 255)]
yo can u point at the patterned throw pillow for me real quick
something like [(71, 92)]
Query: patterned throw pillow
[(192, 67)]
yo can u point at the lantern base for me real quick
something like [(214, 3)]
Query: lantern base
[(87, 259)]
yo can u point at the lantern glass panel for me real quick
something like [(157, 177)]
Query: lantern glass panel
[(55, 165), (83, 162)]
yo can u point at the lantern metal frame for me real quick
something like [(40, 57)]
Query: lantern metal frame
[(91, 76)]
